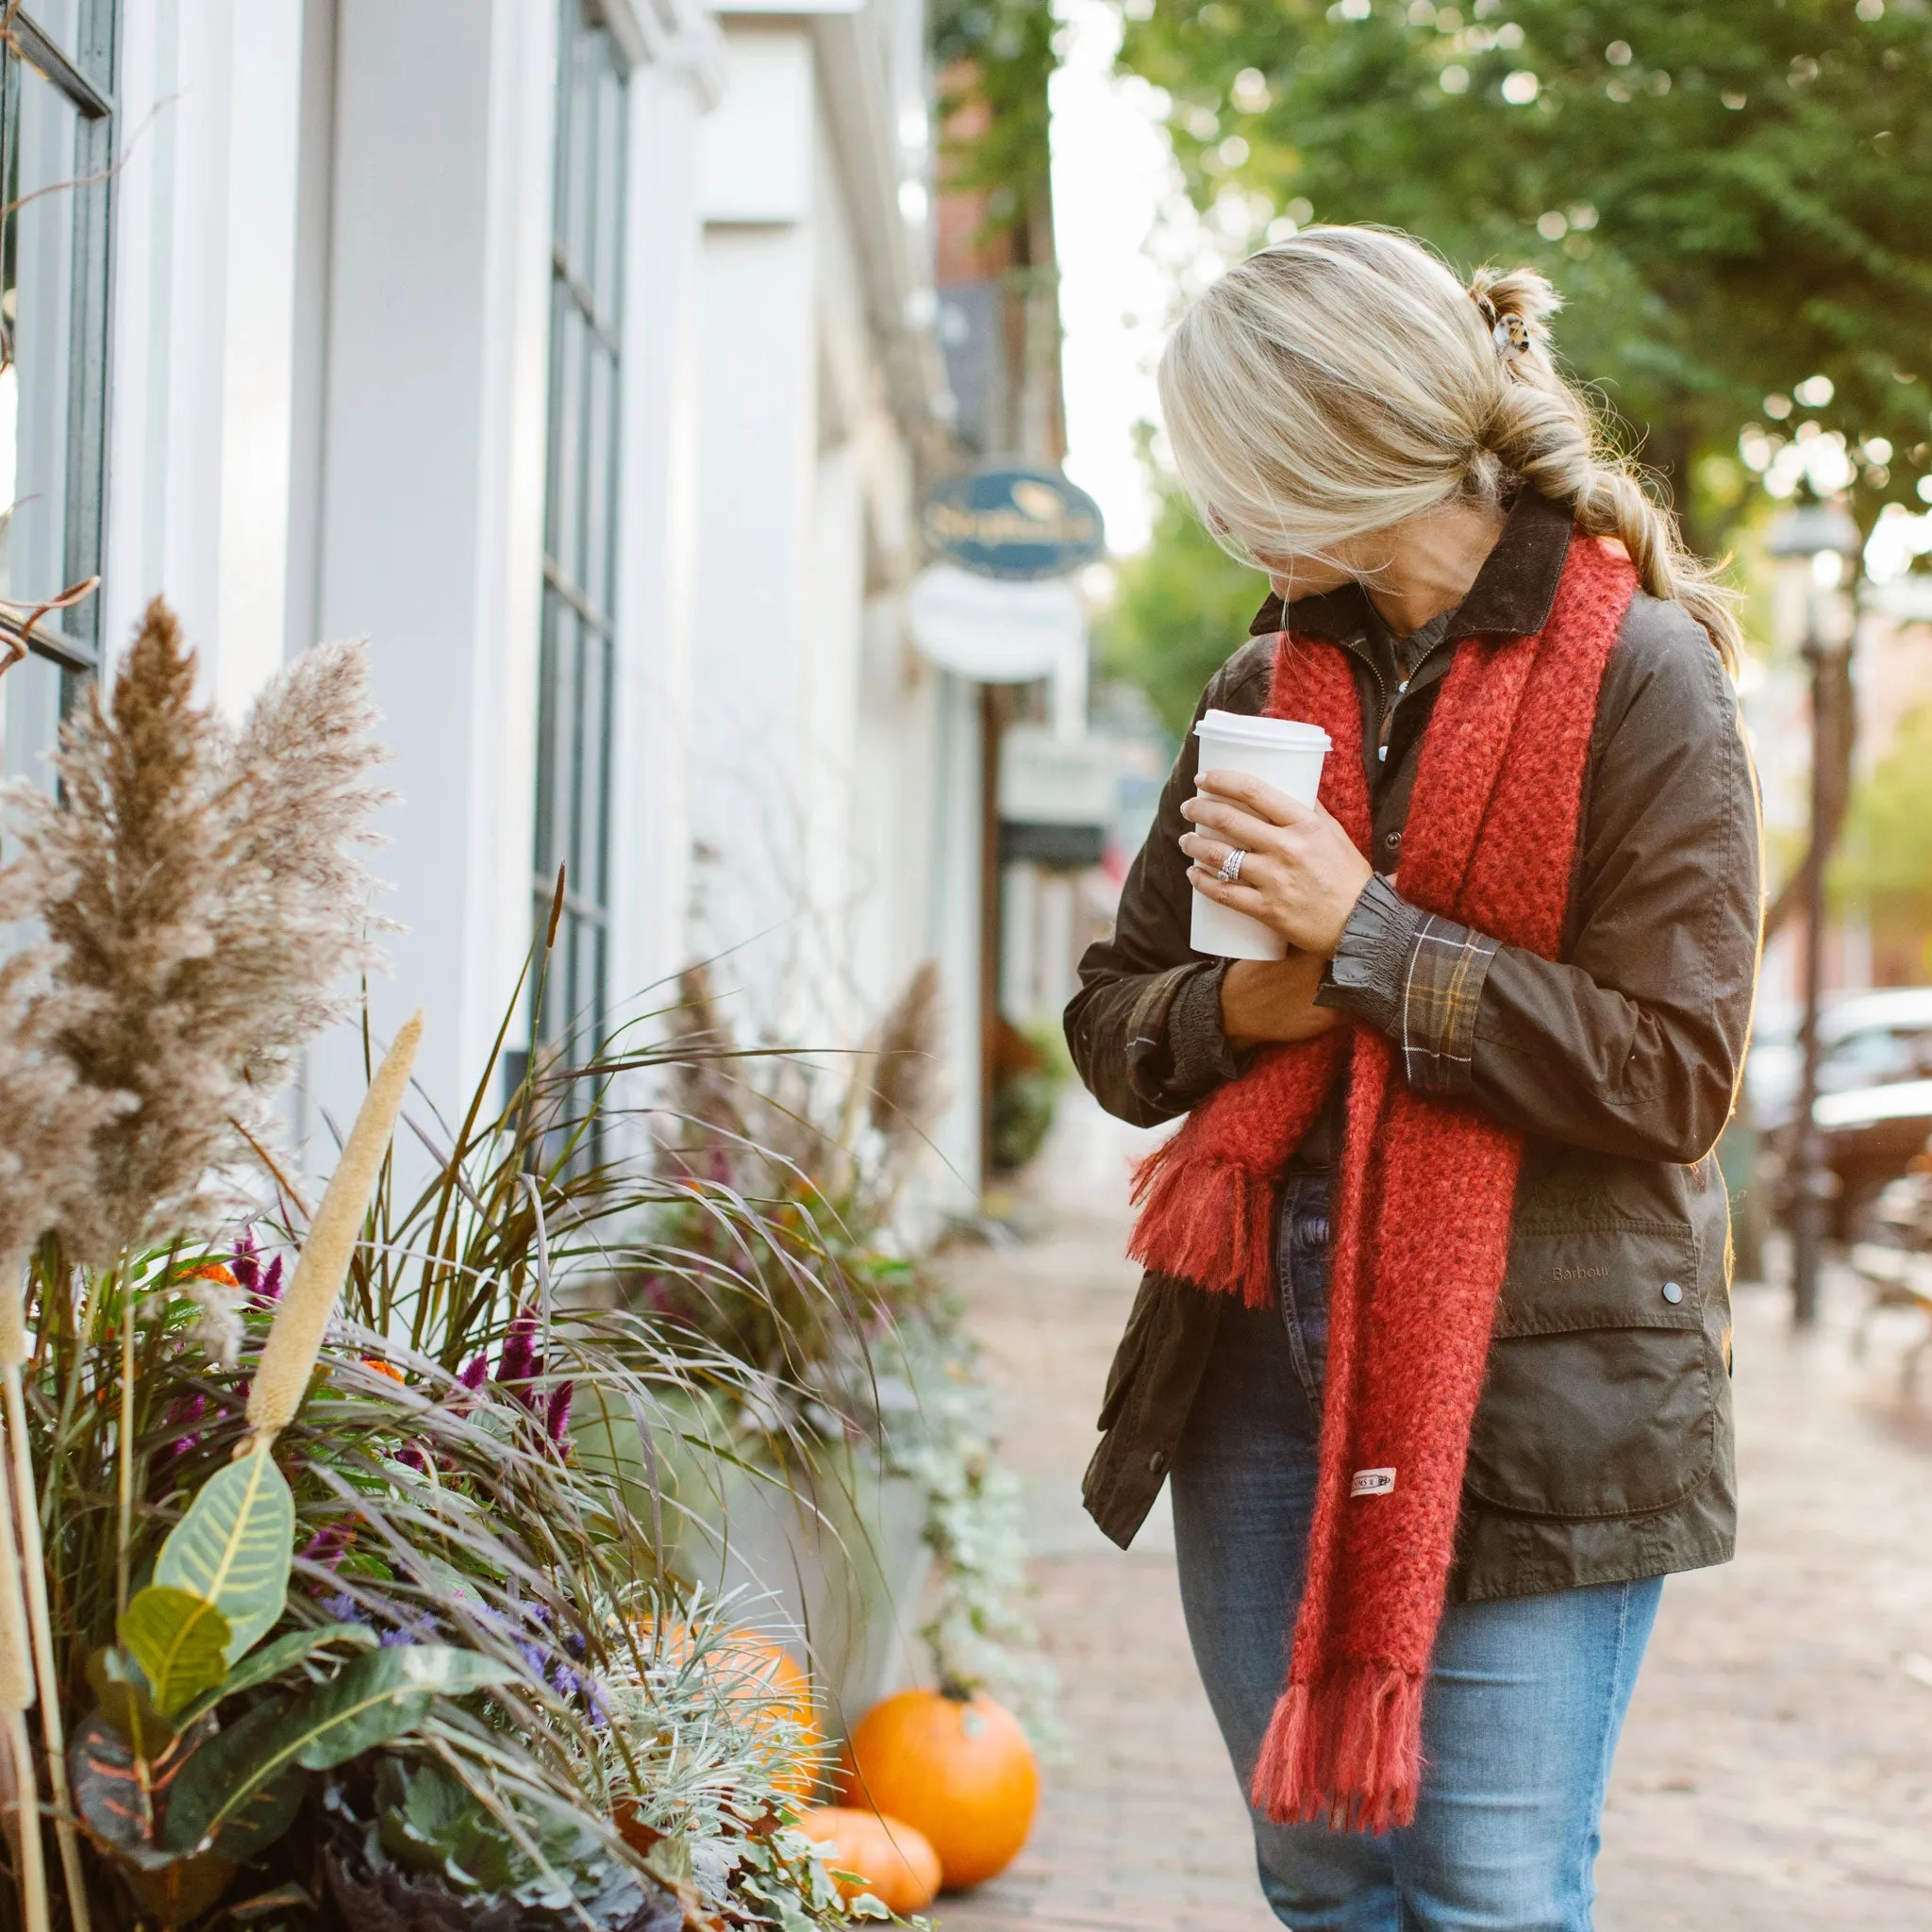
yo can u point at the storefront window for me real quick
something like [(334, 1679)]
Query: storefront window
[(57, 132), (580, 529)]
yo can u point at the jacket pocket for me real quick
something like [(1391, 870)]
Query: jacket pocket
[(1598, 1399)]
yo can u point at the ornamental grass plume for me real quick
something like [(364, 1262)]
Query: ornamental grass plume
[(295, 1340), (703, 1087), (202, 894), (909, 1086)]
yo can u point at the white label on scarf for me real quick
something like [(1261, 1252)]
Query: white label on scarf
[(1371, 1482)]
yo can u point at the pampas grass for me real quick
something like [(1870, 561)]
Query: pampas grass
[(909, 1085), (201, 892)]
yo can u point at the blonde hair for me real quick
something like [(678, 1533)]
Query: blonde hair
[(1344, 381)]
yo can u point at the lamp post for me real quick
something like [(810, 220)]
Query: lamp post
[(1827, 542)]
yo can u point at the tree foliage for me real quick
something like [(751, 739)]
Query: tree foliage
[(998, 54), (1736, 200)]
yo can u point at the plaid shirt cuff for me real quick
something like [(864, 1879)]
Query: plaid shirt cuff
[(1417, 978)]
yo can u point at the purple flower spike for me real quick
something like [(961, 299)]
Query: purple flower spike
[(329, 1545), (245, 1264), (518, 1362), (411, 1457), (476, 1373), (557, 1423), (343, 1608), (183, 1417), (270, 1291)]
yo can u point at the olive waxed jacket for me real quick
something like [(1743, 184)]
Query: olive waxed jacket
[(1602, 1447)]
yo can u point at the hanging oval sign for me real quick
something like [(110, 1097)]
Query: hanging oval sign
[(1009, 521)]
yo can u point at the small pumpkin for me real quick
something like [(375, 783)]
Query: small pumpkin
[(868, 1852), (754, 1670), (957, 1770)]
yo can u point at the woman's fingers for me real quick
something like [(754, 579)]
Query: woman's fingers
[(1235, 825), (1236, 895), (1266, 803), (1211, 852)]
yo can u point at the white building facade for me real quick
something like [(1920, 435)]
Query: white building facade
[(577, 353)]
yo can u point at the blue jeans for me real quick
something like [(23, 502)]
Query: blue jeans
[(1526, 1696)]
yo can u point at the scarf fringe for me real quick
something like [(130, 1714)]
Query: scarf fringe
[(1351, 1755), (1206, 1223)]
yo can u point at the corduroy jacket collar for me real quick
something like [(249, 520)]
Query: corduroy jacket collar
[(1510, 597)]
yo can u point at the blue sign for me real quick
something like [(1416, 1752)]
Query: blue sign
[(1010, 522)]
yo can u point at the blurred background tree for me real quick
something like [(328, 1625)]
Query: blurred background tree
[(1735, 201)]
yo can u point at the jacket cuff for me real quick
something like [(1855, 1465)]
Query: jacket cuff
[(1199, 1055), (1370, 963), (1417, 978), (1177, 1053)]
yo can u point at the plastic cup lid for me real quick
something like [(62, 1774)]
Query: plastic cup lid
[(1279, 734)]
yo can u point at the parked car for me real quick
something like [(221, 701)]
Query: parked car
[(1875, 1094)]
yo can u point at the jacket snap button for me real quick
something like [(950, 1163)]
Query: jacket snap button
[(1157, 1462), (1672, 1292), (1391, 840)]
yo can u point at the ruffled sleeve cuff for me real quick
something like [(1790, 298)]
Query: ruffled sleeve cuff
[(1366, 974)]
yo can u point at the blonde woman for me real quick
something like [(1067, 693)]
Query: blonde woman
[(1434, 1339)]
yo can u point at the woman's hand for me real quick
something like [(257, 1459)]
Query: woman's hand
[(1265, 1000), (1302, 875)]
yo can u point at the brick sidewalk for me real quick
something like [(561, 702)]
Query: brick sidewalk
[(1776, 1774)]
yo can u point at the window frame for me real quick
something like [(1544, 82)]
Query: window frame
[(70, 638), (579, 632)]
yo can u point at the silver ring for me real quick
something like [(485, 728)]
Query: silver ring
[(1231, 866)]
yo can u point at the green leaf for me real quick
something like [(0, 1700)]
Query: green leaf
[(367, 1703), (181, 1889), (181, 1643), (234, 1548), (261, 1807), (127, 1704), (119, 1794), (379, 1696), (270, 1661)]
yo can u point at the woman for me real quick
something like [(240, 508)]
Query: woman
[(1434, 1340)]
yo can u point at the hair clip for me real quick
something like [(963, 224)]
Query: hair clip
[(1511, 336)]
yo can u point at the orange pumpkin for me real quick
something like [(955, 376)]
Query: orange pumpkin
[(753, 1669), (867, 1852), (958, 1770)]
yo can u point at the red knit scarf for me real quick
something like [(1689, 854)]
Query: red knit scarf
[(1423, 1196)]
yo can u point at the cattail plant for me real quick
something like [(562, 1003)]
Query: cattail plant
[(294, 1342), (16, 1697)]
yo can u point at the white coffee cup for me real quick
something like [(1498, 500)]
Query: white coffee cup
[(1280, 752)]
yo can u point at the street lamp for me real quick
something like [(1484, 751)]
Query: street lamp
[(1829, 543)]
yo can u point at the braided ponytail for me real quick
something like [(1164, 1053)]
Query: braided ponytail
[(1543, 430), (1344, 381)]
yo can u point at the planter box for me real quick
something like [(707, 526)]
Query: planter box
[(829, 1560)]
